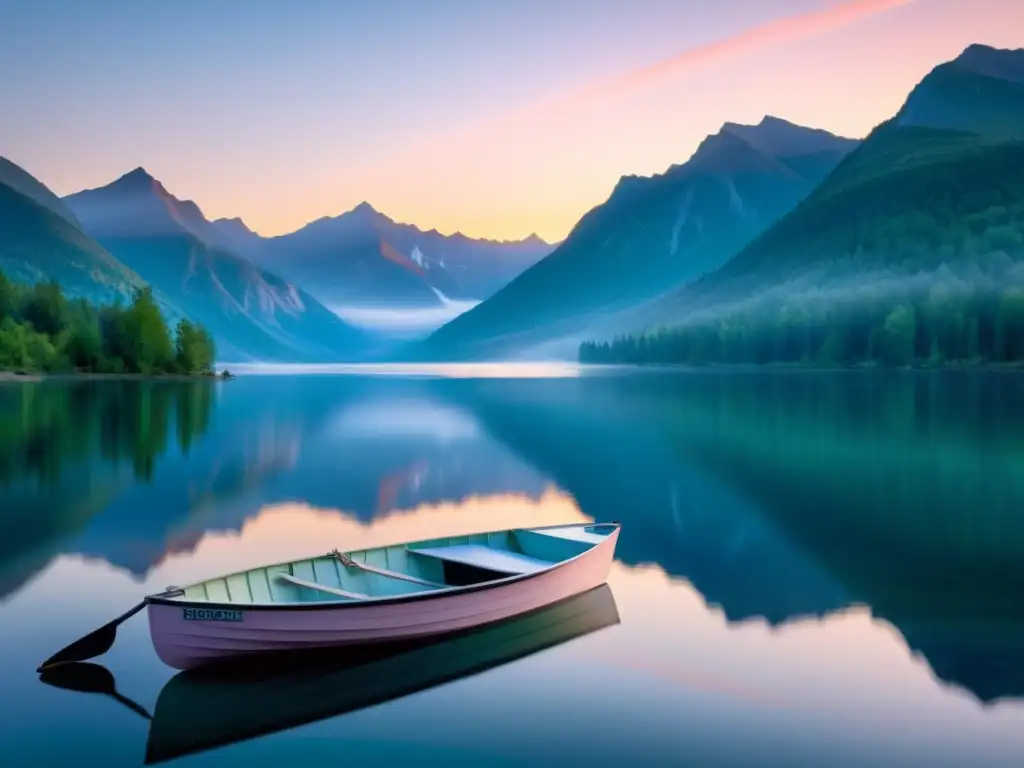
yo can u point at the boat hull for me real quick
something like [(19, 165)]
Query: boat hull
[(212, 707), (188, 643)]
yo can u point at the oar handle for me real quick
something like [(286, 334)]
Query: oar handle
[(127, 615)]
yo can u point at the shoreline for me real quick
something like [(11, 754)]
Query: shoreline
[(1014, 367), (1009, 368), (35, 378)]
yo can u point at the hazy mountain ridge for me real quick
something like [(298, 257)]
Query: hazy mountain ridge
[(104, 243), (40, 240), (250, 312), (20, 180), (235, 235), (650, 235), (981, 91), (364, 258)]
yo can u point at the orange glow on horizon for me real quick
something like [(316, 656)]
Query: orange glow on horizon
[(537, 159), (553, 220)]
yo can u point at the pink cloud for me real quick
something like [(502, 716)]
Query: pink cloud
[(765, 37), (771, 35), (530, 136)]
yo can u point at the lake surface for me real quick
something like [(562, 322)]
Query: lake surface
[(815, 569)]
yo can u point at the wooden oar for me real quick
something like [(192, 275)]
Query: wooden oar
[(99, 641), (348, 562), (89, 678)]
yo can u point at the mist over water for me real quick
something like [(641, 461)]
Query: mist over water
[(482, 370), (401, 322)]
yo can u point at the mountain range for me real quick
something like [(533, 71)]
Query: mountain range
[(362, 258), (249, 291), (936, 192), (650, 235), (251, 313), (773, 222), (762, 221)]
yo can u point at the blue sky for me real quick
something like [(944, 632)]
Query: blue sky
[(283, 112)]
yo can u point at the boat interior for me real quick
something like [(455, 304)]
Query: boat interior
[(403, 569)]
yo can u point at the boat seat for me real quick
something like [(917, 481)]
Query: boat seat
[(571, 533), (348, 562), (484, 557), (321, 588)]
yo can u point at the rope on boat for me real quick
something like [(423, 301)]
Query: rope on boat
[(344, 559)]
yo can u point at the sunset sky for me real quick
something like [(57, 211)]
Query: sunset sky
[(493, 117)]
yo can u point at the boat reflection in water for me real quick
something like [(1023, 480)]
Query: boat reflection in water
[(204, 708)]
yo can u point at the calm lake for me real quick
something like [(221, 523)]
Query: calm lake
[(815, 569)]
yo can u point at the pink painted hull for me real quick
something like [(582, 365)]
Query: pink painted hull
[(186, 644)]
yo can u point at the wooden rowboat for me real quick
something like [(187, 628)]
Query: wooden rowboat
[(212, 707), (398, 592), (202, 708)]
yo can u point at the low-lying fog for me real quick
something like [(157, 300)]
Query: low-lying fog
[(403, 323)]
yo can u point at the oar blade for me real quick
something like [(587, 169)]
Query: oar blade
[(94, 644), (89, 647)]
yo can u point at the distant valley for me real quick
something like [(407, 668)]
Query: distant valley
[(252, 313), (364, 259), (340, 289), (391, 279)]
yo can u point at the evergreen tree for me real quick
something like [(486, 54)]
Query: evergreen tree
[(194, 349), (41, 330)]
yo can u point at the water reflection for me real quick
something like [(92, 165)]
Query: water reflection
[(45, 429), (331, 446), (835, 525), (199, 710), (797, 494), (68, 451)]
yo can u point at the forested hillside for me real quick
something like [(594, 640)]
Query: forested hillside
[(911, 251), (42, 330)]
